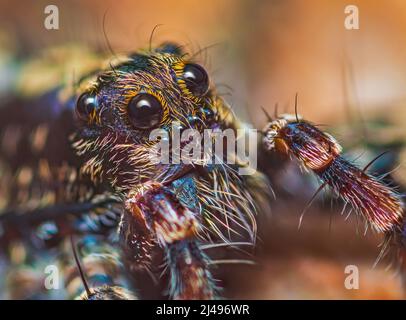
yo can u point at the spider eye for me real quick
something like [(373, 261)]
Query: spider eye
[(145, 111), (87, 102), (196, 79)]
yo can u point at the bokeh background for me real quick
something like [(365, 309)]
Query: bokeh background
[(261, 53)]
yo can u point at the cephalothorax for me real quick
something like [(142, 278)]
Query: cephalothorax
[(114, 185), (84, 167)]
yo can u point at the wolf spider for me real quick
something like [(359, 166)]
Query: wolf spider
[(75, 161)]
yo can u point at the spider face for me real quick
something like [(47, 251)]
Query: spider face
[(167, 205), (120, 107)]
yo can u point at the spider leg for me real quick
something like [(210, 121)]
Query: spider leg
[(47, 226), (97, 265), (175, 228), (380, 204)]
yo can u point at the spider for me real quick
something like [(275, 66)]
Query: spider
[(76, 161)]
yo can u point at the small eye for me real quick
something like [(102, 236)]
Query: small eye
[(87, 102), (145, 111), (208, 112), (196, 78)]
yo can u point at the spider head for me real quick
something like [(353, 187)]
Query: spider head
[(118, 109)]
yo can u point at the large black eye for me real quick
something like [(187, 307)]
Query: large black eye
[(145, 111), (196, 79), (87, 102)]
